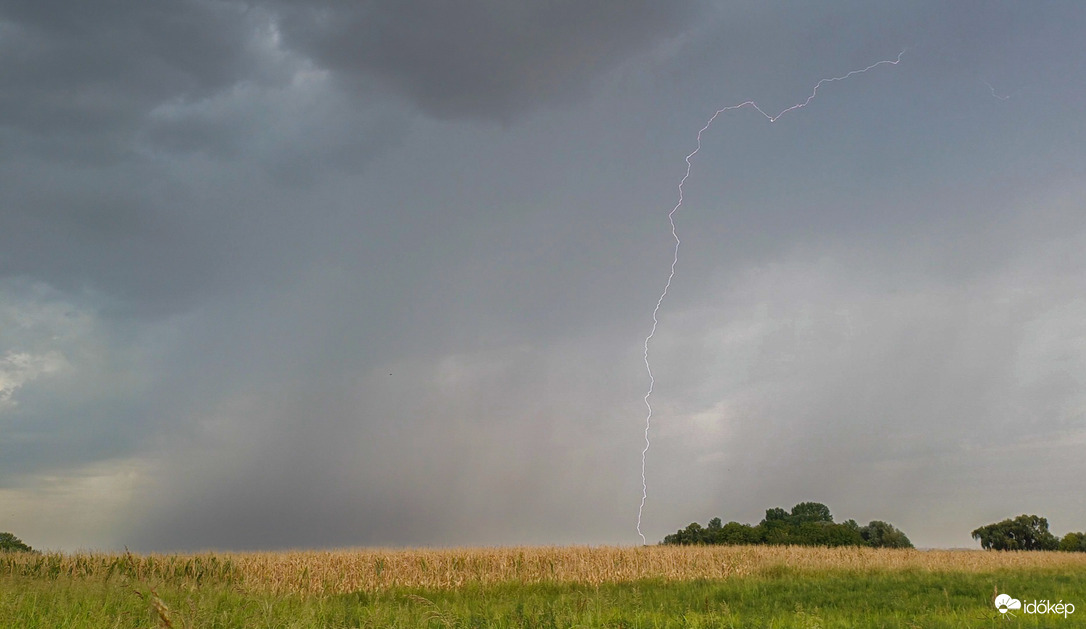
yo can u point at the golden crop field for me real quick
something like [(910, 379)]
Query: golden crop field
[(373, 570)]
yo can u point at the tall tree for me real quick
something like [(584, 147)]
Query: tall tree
[(776, 514), (811, 512), (1026, 532)]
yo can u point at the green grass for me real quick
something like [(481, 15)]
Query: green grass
[(779, 598)]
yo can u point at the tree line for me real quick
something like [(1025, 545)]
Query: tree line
[(811, 524), (807, 524)]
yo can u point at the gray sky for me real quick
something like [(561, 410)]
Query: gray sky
[(283, 274)]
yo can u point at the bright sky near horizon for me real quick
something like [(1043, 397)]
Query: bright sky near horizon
[(278, 274)]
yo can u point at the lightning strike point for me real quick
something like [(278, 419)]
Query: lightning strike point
[(675, 258)]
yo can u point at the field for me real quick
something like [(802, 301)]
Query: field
[(779, 587)]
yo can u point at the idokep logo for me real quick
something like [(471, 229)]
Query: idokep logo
[(1005, 604)]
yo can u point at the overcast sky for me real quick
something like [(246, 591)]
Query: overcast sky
[(308, 274)]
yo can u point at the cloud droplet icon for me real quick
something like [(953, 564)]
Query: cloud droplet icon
[(1004, 603)]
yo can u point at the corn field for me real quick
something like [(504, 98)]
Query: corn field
[(353, 570)]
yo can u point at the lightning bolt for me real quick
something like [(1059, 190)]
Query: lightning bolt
[(675, 258), (992, 89)]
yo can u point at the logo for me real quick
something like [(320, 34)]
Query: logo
[(1005, 604)]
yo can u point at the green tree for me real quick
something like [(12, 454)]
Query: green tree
[(776, 514), (808, 524), (739, 534), (810, 512), (825, 534), (10, 543), (1026, 532), (1074, 542), (692, 534), (879, 534)]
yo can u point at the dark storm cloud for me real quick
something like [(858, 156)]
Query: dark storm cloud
[(85, 82), (73, 229), (111, 120), (110, 113), (82, 207), (479, 58), (96, 70)]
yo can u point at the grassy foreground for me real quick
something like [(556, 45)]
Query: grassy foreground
[(779, 587)]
